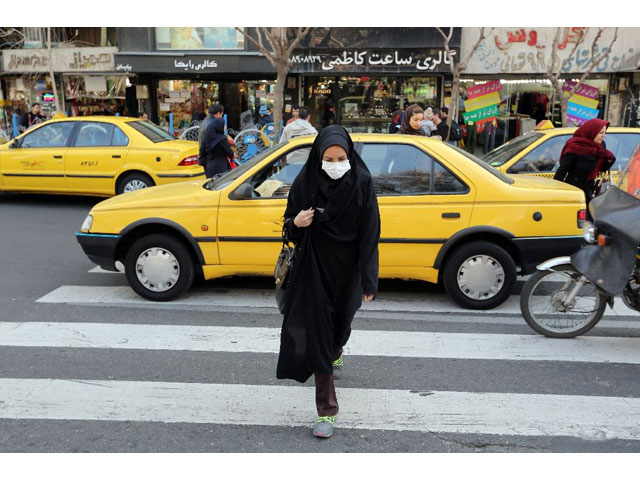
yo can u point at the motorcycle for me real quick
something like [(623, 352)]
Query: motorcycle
[(567, 296)]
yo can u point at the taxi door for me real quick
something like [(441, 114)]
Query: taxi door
[(36, 161), (422, 203), (96, 155), (250, 229)]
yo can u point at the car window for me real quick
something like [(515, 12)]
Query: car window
[(151, 131), (119, 139), (506, 152), (543, 158), (622, 145), (94, 134), (276, 179), (406, 170), (48, 136), (445, 182)]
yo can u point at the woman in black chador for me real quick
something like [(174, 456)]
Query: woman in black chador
[(332, 217)]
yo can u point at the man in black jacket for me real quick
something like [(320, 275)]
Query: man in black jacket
[(439, 117), (31, 118)]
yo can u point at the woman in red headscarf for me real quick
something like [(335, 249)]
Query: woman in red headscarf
[(584, 157)]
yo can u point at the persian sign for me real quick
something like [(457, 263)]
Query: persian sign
[(482, 102), (528, 50), (484, 89), (477, 115), (98, 59)]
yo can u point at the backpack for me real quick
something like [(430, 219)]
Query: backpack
[(456, 131)]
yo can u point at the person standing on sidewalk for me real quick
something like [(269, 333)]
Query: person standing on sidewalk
[(214, 149), (215, 111), (411, 120), (332, 217)]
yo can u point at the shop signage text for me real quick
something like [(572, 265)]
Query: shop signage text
[(184, 65), (480, 114), (580, 114), (428, 60), (482, 102), (529, 50), (96, 59), (583, 89), (484, 89)]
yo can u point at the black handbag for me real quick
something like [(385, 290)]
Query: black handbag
[(283, 269)]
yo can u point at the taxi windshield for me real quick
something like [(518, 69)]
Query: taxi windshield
[(222, 180), (506, 152)]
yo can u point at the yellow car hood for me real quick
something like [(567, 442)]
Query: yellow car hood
[(190, 193)]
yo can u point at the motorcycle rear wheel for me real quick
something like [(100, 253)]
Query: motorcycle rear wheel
[(541, 303)]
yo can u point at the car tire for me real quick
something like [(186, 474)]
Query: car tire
[(490, 275), (133, 182), (159, 267)]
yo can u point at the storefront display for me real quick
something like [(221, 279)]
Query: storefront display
[(187, 100), (365, 103), (95, 94)]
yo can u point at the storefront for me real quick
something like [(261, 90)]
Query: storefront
[(182, 86), (519, 59), (367, 86), (83, 76), (95, 94)]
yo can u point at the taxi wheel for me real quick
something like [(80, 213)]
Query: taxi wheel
[(133, 182), (159, 267), (479, 275)]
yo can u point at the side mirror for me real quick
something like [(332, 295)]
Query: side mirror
[(243, 192)]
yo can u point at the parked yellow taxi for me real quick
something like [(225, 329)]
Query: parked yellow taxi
[(445, 215), (95, 156), (538, 152)]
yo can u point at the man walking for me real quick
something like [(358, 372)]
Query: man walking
[(299, 127), (31, 118), (294, 114), (215, 111), (442, 130)]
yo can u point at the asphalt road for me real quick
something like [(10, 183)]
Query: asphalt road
[(177, 390)]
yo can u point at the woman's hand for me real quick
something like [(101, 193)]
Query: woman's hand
[(304, 218), (367, 297)]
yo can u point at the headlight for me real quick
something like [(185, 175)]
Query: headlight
[(86, 225), (589, 232)]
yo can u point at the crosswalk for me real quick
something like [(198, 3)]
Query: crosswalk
[(448, 370)]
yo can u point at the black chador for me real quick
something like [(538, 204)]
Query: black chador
[(336, 259)]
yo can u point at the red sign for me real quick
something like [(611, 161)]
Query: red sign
[(483, 89), (584, 90), (480, 124)]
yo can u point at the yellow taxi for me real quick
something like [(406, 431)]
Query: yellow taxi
[(538, 152), (446, 216), (97, 155)]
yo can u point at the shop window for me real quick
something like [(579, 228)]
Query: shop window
[(48, 136), (188, 101), (275, 181), (94, 134), (199, 38), (543, 158)]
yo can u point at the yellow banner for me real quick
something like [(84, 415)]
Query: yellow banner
[(584, 101), (482, 102)]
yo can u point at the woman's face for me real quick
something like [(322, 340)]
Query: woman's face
[(415, 120), (335, 153), (600, 136), (428, 114)]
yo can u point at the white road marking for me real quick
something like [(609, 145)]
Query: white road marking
[(405, 302), (362, 342), (587, 417)]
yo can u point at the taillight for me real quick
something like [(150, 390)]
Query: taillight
[(187, 161), (582, 216)]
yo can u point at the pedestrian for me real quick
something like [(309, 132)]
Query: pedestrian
[(265, 117), (427, 124), (216, 110), (295, 129), (31, 118), (214, 149), (143, 116), (396, 120), (439, 117), (585, 156), (411, 119), (294, 114), (332, 217)]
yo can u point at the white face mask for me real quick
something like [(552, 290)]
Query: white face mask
[(336, 170)]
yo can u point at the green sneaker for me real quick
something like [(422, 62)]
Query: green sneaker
[(338, 363), (324, 426)]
